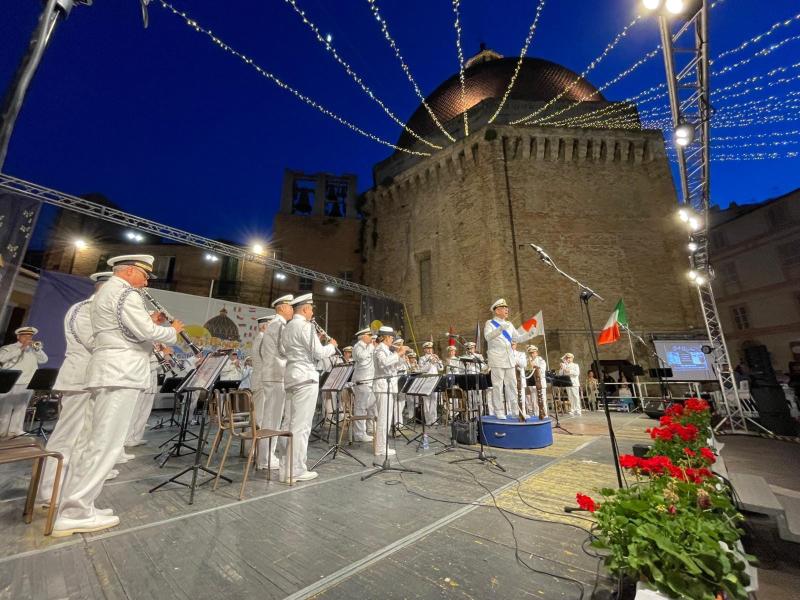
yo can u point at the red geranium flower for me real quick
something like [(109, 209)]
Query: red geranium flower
[(585, 502), (665, 420), (629, 461), (708, 455), (674, 410), (696, 405), (689, 452)]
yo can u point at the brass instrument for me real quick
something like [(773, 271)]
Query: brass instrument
[(325, 335), (184, 336), (37, 345)]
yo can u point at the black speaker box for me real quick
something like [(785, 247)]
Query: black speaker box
[(465, 432), (773, 410)]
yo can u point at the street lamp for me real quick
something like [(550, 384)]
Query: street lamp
[(80, 244)]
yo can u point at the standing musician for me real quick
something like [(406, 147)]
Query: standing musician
[(386, 359), (23, 355), (302, 348), (535, 361), (570, 368), (144, 405), (473, 368), (364, 360), (521, 361), (119, 368), (71, 382), (452, 364), (273, 407), (247, 374), (400, 399), (431, 364), (499, 334)]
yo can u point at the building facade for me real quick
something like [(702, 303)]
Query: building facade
[(755, 250)]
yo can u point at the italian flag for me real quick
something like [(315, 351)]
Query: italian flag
[(610, 333)]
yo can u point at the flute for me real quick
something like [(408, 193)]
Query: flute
[(184, 336), (324, 333)]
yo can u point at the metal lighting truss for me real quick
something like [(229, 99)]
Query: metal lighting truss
[(86, 207), (685, 44)]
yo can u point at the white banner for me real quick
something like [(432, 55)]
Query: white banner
[(213, 323)]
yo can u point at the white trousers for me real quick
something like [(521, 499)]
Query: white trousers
[(12, 409), (429, 408), (399, 407), (301, 403), (74, 406), (144, 406), (96, 449), (384, 401), (274, 408), (504, 384), (364, 402), (574, 397)]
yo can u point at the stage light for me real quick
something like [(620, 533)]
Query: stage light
[(651, 4), (258, 249), (80, 244), (675, 7), (700, 280), (683, 215), (211, 257), (280, 276), (134, 237), (330, 289), (693, 246), (684, 135), (692, 275), (694, 223)]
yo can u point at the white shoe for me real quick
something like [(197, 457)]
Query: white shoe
[(65, 527), (135, 443), (104, 512), (363, 438), (307, 476), (390, 452), (112, 474)]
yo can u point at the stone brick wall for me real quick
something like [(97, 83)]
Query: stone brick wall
[(600, 202)]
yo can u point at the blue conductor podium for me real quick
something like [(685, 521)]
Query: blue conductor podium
[(512, 433)]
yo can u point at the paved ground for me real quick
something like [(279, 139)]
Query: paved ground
[(435, 535)]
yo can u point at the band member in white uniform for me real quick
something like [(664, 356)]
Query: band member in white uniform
[(302, 348), (471, 368), (521, 362), (568, 367), (232, 371), (119, 369), (71, 383), (399, 404), (452, 363), (386, 359), (23, 355), (364, 360), (431, 364), (144, 405), (499, 333), (247, 374), (534, 360), (273, 371)]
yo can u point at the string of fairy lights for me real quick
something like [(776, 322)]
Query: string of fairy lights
[(461, 78), (328, 45), (280, 83), (518, 66), (373, 5)]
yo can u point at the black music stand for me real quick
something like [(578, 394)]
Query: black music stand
[(178, 440), (170, 386), (386, 466), (201, 380), (8, 377), (337, 379), (559, 381), (317, 437), (469, 382), (402, 382), (43, 380), (420, 387)]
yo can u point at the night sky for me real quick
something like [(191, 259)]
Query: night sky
[(170, 127)]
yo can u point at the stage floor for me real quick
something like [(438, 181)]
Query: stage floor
[(439, 534)]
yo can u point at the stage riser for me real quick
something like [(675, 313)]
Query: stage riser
[(512, 434)]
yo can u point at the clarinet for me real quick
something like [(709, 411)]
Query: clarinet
[(184, 336), (324, 334)]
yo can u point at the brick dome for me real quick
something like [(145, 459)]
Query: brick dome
[(538, 80)]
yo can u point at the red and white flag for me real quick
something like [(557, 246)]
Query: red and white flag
[(534, 325)]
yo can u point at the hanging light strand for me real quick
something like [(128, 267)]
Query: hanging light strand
[(757, 38), (758, 136), (523, 52), (585, 72), (461, 66), (284, 86), (326, 43), (763, 52), (393, 45)]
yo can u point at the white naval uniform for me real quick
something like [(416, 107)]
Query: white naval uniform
[(455, 366), (14, 403), (540, 362), (364, 361), (75, 399), (385, 366), (430, 366), (231, 372), (574, 391), (118, 370), (144, 406), (302, 348), (473, 368), (499, 334), (246, 382), (399, 404), (272, 412)]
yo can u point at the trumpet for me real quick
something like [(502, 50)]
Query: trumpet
[(37, 345), (320, 331), (184, 336)]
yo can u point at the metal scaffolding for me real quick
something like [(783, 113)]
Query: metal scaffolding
[(87, 207), (685, 43)]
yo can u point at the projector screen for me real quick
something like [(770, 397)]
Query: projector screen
[(686, 359)]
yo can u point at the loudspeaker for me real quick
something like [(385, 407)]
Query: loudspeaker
[(465, 432), (761, 371), (773, 410)]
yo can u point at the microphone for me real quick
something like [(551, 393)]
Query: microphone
[(453, 335), (572, 509)]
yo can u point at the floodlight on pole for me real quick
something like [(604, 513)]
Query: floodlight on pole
[(280, 276), (683, 215), (675, 7), (652, 4), (684, 135), (80, 244), (258, 248), (330, 289), (693, 246)]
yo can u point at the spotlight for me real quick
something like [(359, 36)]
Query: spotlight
[(693, 246), (330, 289), (700, 280), (684, 135), (692, 275), (80, 244), (258, 249), (280, 276), (675, 7), (211, 257), (683, 215), (134, 237), (694, 223), (652, 4)]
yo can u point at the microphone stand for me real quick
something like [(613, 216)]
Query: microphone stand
[(453, 445), (586, 293)]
